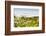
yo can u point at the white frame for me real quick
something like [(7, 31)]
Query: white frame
[(26, 28)]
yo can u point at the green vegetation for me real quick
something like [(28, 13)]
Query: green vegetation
[(26, 21)]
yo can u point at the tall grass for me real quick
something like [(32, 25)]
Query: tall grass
[(26, 21)]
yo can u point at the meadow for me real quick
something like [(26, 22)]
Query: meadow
[(26, 21)]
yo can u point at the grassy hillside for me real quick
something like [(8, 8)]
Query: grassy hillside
[(26, 21)]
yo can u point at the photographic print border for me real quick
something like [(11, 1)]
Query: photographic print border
[(27, 7), (8, 17)]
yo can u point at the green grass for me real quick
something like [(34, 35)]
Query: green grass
[(26, 21)]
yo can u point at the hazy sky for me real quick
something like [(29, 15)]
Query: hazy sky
[(26, 12)]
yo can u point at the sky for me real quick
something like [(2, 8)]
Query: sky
[(26, 12)]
